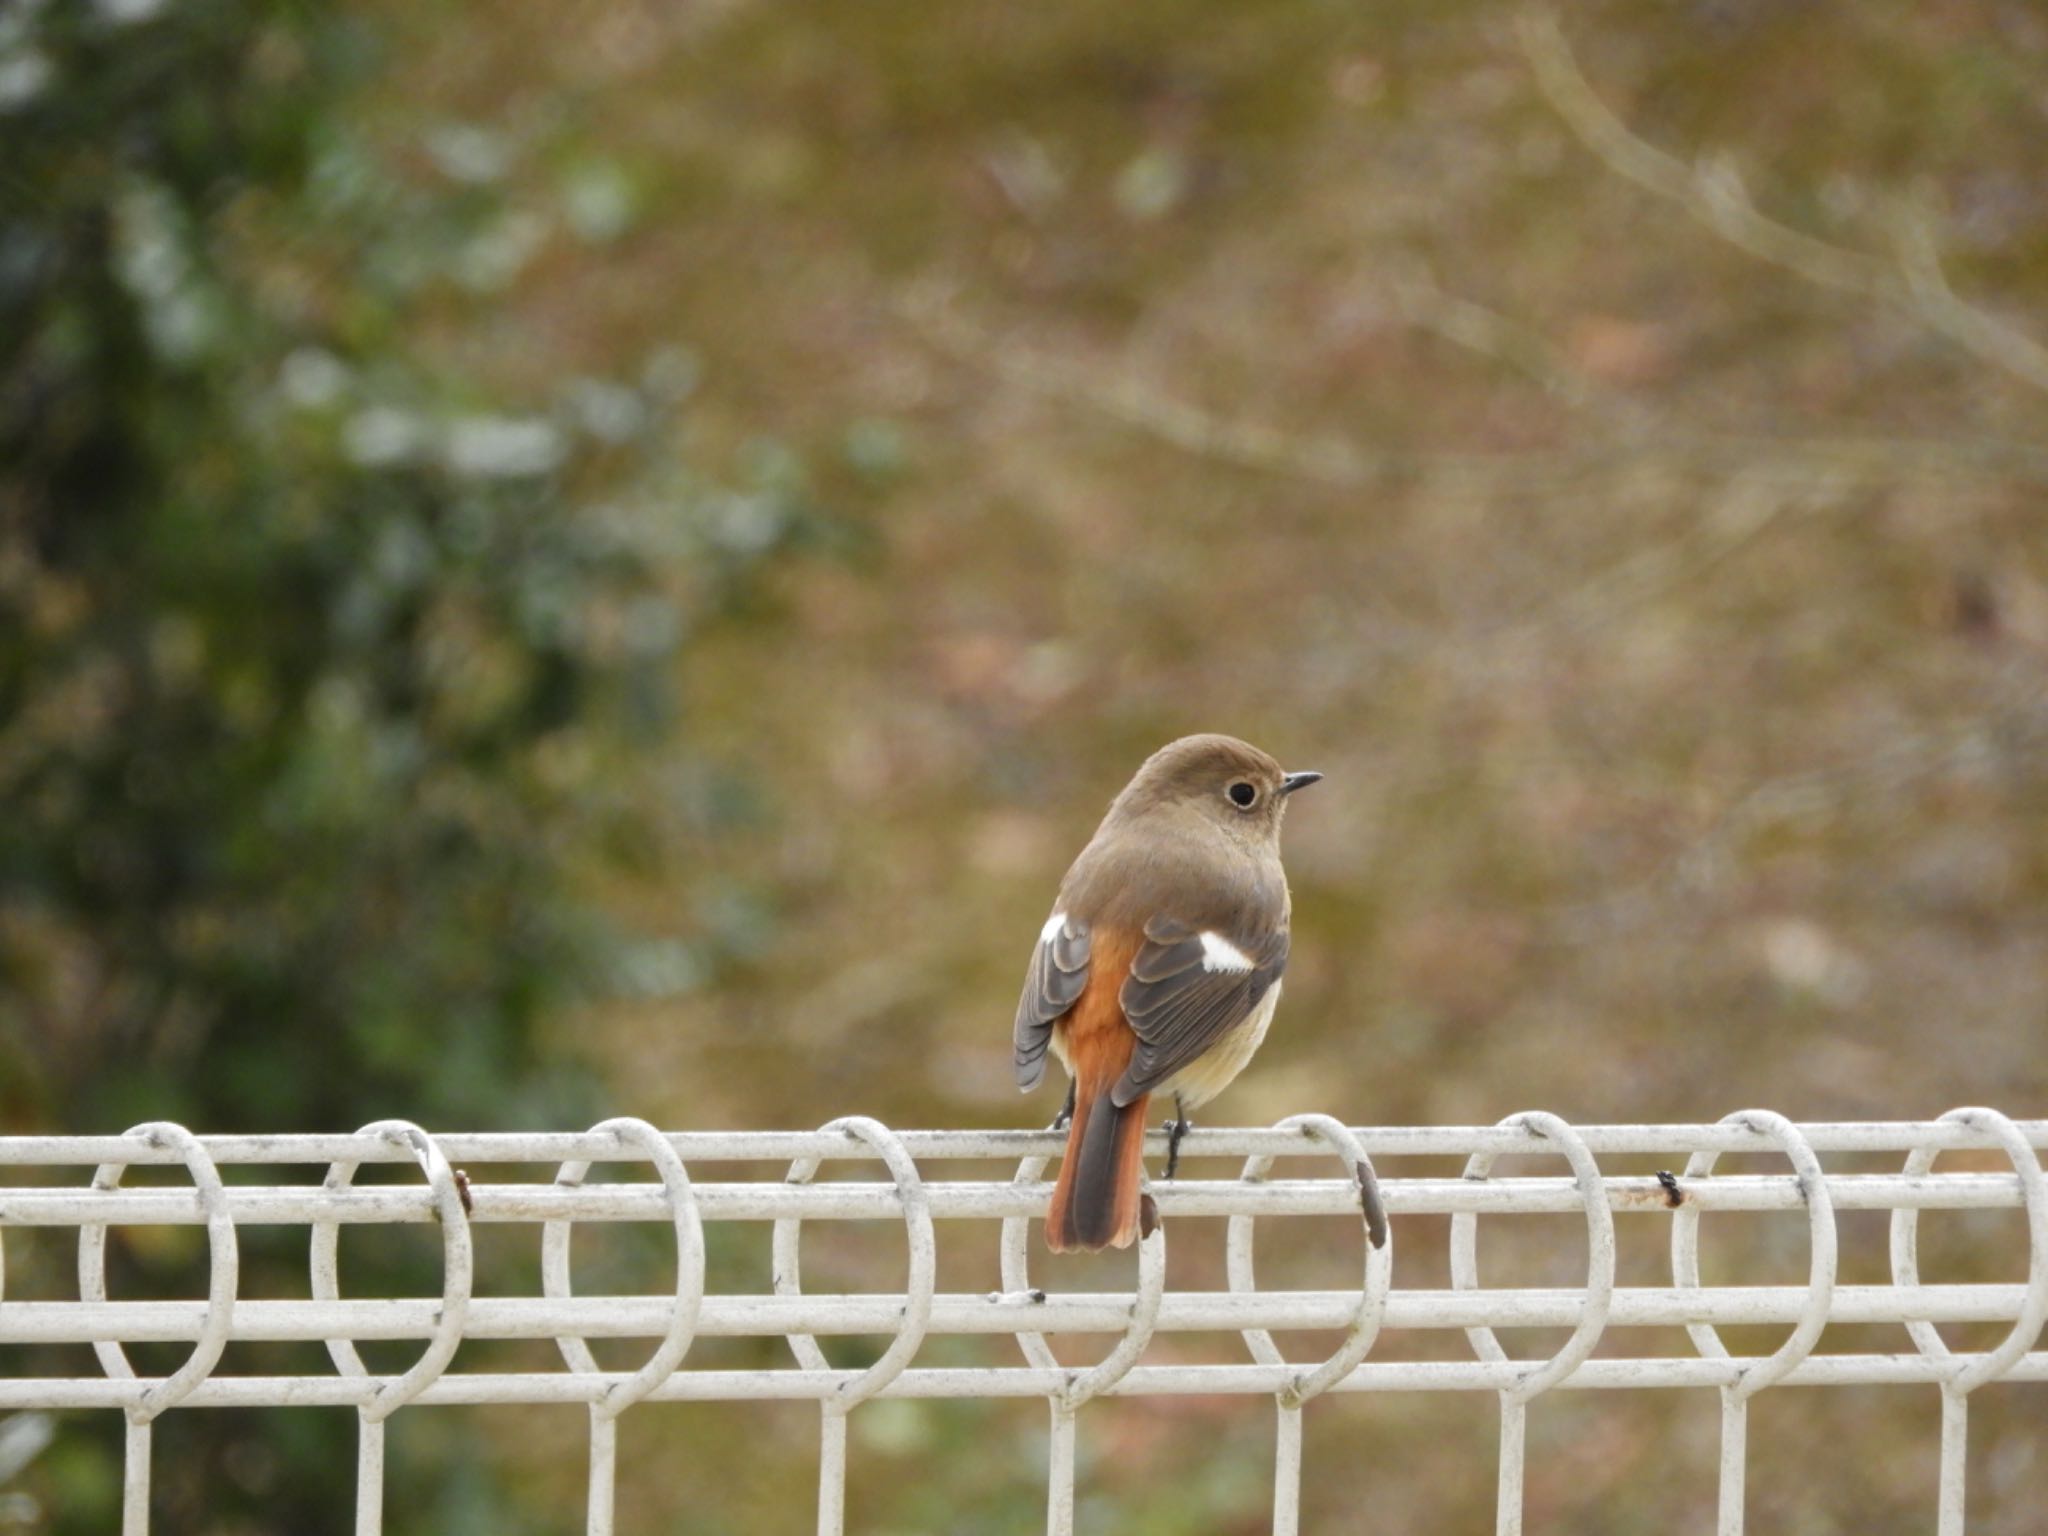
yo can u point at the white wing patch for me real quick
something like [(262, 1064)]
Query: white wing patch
[(1052, 927), (1219, 954)]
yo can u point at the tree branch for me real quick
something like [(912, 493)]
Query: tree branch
[(1803, 464), (1713, 194)]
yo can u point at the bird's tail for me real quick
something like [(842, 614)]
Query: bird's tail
[(1095, 1202)]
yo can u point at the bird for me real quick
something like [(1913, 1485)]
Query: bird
[(1158, 970)]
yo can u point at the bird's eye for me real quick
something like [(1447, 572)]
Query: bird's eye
[(1242, 795)]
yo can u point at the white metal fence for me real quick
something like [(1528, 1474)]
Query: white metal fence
[(457, 1193)]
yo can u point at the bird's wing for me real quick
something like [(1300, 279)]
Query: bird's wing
[(1053, 984), (1187, 988)]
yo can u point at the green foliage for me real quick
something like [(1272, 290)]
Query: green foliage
[(323, 672), (327, 677)]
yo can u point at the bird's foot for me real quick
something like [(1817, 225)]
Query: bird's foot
[(1059, 1121)]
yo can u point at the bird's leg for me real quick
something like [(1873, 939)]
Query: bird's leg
[(1176, 1128), (1059, 1121)]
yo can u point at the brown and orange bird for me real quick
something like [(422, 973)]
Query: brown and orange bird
[(1159, 968)]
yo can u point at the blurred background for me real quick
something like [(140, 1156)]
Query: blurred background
[(560, 560)]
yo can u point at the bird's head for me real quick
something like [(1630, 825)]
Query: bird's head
[(1227, 783)]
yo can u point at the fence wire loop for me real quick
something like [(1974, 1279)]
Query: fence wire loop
[(1079, 1384), (1972, 1372), (634, 1135), (917, 1219), (223, 1271), (1364, 1327), (1784, 1136), (1084, 1386), (1016, 1266), (457, 1266), (1599, 1292)]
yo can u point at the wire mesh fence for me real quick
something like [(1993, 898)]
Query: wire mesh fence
[(691, 1185)]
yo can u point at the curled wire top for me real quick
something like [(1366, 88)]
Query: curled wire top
[(457, 1269), (636, 1136), (1371, 1312), (1973, 1371), (1080, 1385), (1776, 1130), (917, 1220), (223, 1271), (1599, 1294)]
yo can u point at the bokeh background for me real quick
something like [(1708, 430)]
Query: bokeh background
[(563, 559)]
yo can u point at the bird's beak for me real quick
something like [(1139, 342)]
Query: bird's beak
[(1290, 782)]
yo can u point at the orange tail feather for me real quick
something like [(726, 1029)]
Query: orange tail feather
[(1095, 1201)]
